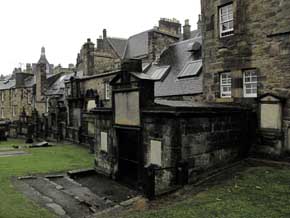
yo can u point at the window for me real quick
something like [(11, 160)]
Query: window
[(250, 84), (226, 85), (2, 96), (107, 91), (226, 20)]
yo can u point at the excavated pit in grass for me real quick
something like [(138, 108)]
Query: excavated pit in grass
[(67, 197)]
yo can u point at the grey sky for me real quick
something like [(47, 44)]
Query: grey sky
[(62, 26)]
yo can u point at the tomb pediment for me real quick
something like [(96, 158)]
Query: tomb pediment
[(269, 97)]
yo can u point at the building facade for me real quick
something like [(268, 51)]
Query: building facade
[(246, 51), (28, 94)]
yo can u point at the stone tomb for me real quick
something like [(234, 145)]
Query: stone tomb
[(141, 141)]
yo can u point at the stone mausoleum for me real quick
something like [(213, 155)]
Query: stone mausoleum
[(173, 140)]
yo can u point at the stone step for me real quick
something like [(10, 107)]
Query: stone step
[(81, 193), (71, 206)]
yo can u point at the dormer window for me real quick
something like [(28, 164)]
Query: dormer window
[(226, 21), (195, 49)]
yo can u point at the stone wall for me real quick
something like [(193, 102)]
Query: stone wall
[(106, 161), (14, 101), (165, 130), (158, 42), (105, 62), (213, 141), (203, 140), (192, 98), (98, 83), (261, 42)]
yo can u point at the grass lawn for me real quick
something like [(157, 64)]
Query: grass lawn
[(254, 192), (42, 160)]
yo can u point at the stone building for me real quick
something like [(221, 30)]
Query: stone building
[(15, 98), (28, 92), (109, 52), (97, 65), (246, 51), (179, 70)]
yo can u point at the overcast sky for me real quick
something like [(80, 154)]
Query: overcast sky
[(62, 26)]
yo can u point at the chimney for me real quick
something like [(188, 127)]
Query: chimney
[(19, 79), (199, 22), (171, 26), (100, 43), (186, 30), (28, 68), (104, 33)]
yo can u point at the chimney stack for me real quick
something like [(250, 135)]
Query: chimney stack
[(104, 33), (171, 26), (186, 30), (199, 22)]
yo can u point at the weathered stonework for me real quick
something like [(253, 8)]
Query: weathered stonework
[(14, 101), (260, 42), (257, 43)]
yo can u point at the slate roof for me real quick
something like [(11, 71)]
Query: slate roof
[(195, 34), (137, 45), (58, 86), (191, 104), (30, 81), (43, 60), (119, 45), (7, 84), (177, 57)]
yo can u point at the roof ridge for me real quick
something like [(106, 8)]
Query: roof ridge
[(117, 38), (146, 31)]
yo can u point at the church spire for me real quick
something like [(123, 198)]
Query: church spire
[(42, 51), (43, 59)]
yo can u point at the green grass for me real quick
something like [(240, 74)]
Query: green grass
[(42, 160), (257, 192)]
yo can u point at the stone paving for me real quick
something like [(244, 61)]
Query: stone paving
[(12, 153), (70, 198)]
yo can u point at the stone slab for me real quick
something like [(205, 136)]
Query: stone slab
[(40, 145), (12, 153), (56, 208)]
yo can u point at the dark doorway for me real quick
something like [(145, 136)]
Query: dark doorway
[(129, 156)]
